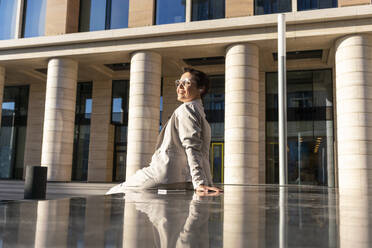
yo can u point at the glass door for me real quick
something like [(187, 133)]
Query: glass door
[(82, 131), (120, 153), (310, 128)]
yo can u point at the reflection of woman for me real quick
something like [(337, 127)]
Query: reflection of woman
[(182, 151), (178, 220)]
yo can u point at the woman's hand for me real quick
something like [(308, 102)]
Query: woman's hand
[(203, 190)]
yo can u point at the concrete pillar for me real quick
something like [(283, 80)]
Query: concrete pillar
[(101, 145), (61, 17), (2, 82), (35, 120), (59, 118), (241, 114), (144, 109), (262, 129), (354, 111), (354, 137)]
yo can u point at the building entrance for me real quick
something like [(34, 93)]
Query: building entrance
[(310, 128)]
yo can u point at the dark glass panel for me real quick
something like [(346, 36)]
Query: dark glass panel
[(119, 117), (82, 131), (170, 11), (13, 131), (120, 155), (92, 15), (207, 9), (272, 6), (310, 127), (315, 4), (119, 14), (8, 15), (34, 18)]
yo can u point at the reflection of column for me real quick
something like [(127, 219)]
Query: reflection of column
[(2, 82), (52, 223), (144, 109), (241, 114), (332, 224), (243, 220), (59, 118), (330, 164), (283, 201), (101, 145), (137, 228), (354, 137), (26, 229), (35, 120), (97, 216)]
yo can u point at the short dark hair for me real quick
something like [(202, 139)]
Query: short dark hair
[(200, 78)]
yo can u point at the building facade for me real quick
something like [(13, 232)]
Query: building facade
[(86, 86)]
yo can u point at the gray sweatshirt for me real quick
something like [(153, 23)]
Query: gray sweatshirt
[(182, 150)]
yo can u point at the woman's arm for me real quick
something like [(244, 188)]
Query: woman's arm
[(189, 131)]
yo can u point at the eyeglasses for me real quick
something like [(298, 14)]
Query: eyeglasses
[(184, 82)]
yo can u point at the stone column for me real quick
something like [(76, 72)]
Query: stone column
[(2, 82), (354, 137), (262, 129), (144, 109), (241, 114), (101, 145), (59, 118), (354, 111)]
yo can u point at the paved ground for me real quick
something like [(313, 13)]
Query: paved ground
[(243, 216), (14, 189)]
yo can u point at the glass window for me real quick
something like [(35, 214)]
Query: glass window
[(82, 131), (103, 14), (170, 11), (272, 6), (316, 4), (119, 14), (92, 15), (310, 128), (119, 117), (34, 18), (120, 101), (13, 131), (8, 15), (207, 9)]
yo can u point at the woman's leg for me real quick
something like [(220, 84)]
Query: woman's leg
[(137, 181)]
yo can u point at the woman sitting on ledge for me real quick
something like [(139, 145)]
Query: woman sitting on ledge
[(182, 152)]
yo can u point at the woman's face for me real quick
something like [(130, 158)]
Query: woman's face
[(187, 89)]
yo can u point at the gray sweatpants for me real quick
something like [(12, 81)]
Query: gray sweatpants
[(139, 181)]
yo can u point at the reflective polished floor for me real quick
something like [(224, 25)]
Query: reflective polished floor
[(243, 216)]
